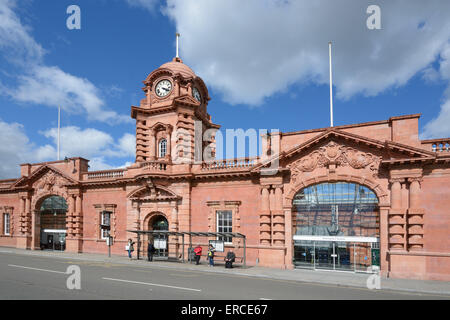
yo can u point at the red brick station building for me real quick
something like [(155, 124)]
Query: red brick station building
[(361, 197)]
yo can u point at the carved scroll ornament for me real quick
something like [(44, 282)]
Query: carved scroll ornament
[(339, 155)]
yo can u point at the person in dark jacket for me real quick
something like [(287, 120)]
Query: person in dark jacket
[(150, 251), (229, 259)]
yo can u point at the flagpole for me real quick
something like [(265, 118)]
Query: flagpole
[(331, 86), (177, 35), (59, 126)]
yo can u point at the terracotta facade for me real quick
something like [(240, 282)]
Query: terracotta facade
[(410, 177)]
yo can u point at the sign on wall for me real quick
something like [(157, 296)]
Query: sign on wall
[(218, 245), (160, 244)]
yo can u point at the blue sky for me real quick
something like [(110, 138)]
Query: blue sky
[(266, 66)]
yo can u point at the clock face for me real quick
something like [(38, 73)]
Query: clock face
[(163, 88), (196, 94)]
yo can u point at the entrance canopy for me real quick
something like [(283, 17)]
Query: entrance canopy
[(190, 234)]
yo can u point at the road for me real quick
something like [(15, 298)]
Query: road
[(43, 277)]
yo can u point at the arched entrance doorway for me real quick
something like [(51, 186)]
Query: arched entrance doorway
[(337, 227), (159, 223), (52, 216)]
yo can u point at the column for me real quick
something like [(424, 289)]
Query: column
[(289, 243), (153, 145), (264, 218), (415, 216), (74, 243), (414, 193), (169, 145), (265, 204), (278, 219), (278, 198), (174, 246), (22, 216), (396, 194), (70, 217), (78, 217), (28, 215), (397, 217), (35, 230), (384, 240)]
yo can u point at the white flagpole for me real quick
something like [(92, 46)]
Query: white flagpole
[(331, 86), (59, 125), (177, 36)]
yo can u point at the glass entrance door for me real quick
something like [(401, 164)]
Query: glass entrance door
[(304, 253), (336, 255), (160, 240), (324, 255)]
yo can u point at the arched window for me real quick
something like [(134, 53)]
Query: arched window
[(337, 209), (162, 148)]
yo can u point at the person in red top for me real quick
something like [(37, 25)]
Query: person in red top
[(198, 254)]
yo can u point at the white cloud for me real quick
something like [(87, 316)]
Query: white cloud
[(41, 84), (14, 144), (53, 87), (90, 143), (439, 127), (15, 39), (252, 49), (97, 146)]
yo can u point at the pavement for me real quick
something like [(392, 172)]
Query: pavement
[(336, 278)]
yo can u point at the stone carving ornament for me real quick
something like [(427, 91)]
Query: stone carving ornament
[(339, 155), (50, 183)]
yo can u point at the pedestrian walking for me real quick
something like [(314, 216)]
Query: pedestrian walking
[(211, 251), (198, 254), (150, 251), (129, 247)]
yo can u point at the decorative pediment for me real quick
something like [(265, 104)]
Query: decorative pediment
[(392, 151), (45, 178), (161, 126), (335, 155), (150, 192), (156, 74), (395, 150), (187, 100)]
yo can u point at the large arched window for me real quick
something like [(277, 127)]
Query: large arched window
[(162, 148), (337, 209)]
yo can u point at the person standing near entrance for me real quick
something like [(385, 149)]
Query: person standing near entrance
[(198, 254), (211, 251), (129, 247), (150, 251)]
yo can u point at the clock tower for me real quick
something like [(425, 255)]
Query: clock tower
[(173, 111)]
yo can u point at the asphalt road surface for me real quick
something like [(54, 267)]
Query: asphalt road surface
[(40, 277)]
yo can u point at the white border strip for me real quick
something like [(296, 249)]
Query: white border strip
[(337, 239), (152, 284), (54, 231), (37, 269)]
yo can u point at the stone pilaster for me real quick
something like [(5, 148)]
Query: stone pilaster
[(265, 220), (415, 217), (397, 217)]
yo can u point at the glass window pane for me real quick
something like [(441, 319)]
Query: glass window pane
[(338, 208)]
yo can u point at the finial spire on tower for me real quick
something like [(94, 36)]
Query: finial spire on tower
[(177, 35)]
